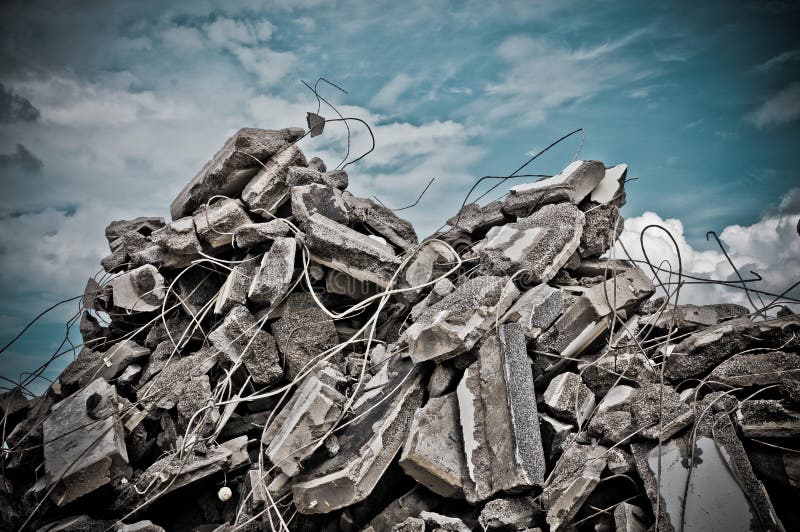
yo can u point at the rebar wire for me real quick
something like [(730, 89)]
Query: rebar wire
[(34, 320), (736, 270), (408, 206), (335, 110)]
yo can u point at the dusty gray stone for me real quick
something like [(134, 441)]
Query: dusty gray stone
[(346, 250), (177, 243), (234, 290), (629, 518), (139, 290), (163, 388), (367, 446), (747, 370), (572, 185), (196, 394), (382, 221), (688, 318), (302, 333), (217, 223), (651, 403), (197, 287), (602, 228), (310, 413), (315, 163), (433, 454), (473, 217), (601, 373), (456, 323), (569, 399), (300, 176), (536, 309), (268, 190), (255, 234), (611, 189), (541, 244), (612, 420), (273, 278), (767, 418), (500, 425), (144, 225), (411, 524), (328, 201), (84, 443), (513, 513), (241, 340), (231, 168), (443, 522), (442, 379), (409, 505)]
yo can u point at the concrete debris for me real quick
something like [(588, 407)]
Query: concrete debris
[(499, 421), (572, 185), (282, 351)]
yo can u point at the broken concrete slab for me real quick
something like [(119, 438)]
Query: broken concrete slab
[(512, 513), (629, 518), (139, 290), (687, 318), (216, 223), (407, 506), (196, 397), (540, 244), (659, 411), (302, 333), (163, 389), (273, 278), (611, 189), (382, 221), (368, 446), (234, 290), (601, 374), (348, 251), (340, 283), (328, 201), (748, 370), (572, 185), (178, 243), (456, 323), (255, 234), (300, 176), (231, 168), (241, 339), (84, 443), (443, 522), (144, 225), (569, 398), (433, 454), (536, 309), (472, 217), (268, 190), (443, 378), (500, 424), (601, 229), (767, 418), (613, 421), (196, 288), (702, 351)]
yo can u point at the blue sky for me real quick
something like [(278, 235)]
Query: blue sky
[(108, 108)]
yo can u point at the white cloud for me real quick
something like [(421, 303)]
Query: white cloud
[(770, 247), (182, 37), (789, 56), (270, 66), (387, 97), (228, 31), (780, 108)]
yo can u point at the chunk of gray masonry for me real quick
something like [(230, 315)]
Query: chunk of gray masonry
[(512, 513), (499, 421), (139, 290), (300, 176), (382, 221), (196, 288), (231, 168), (178, 243), (432, 260), (303, 333), (456, 323), (315, 163), (340, 283), (571, 482), (568, 398), (404, 507), (339, 247), (255, 234), (163, 389), (440, 289), (767, 418), (611, 189), (268, 190), (748, 370), (410, 524), (659, 411), (216, 223), (540, 244), (473, 217), (433, 454), (699, 353), (328, 201), (273, 278), (572, 185), (602, 228), (612, 420), (443, 522), (629, 518), (143, 225), (84, 443), (688, 318), (234, 290), (602, 372), (536, 309), (554, 434), (241, 339), (368, 446), (312, 410), (443, 377)]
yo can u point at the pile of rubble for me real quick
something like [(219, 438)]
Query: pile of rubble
[(286, 356)]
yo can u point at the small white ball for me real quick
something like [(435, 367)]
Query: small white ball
[(224, 493)]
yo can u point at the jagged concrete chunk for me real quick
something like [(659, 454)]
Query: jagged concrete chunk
[(163, 388), (139, 290), (309, 414), (703, 350), (241, 339), (456, 323), (612, 420), (652, 403), (573, 184), (571, 482), (197, 287), (411, 524), (629, 518), (228, 172), (268, 190), (382, 221), (767, 418), (541, 244), (688, 318), (328, 201), (302, 333), (367, 446), (274, 277), (433, 454), (508, 514), (84, 443), (601, 373), (443, 522), (251, 235), (536, 309), (442, 379), (569, 398), (344, 249), (234, 290), (340, 283), (178, 243), (144, 225), (472, 217), (602, 228), (611, 189), (749, 370), (216, 223), (300, 176), (500, 425)]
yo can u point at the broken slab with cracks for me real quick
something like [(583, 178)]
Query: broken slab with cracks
[(328, 201), (139, 290), (255, 234), (499, 421), (216, 222), (268, 189), (273, 278), (572, 185)]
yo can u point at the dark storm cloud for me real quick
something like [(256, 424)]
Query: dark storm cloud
[(21, 159), (15, 108)]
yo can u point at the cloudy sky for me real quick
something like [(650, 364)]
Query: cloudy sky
[(108, 108)]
